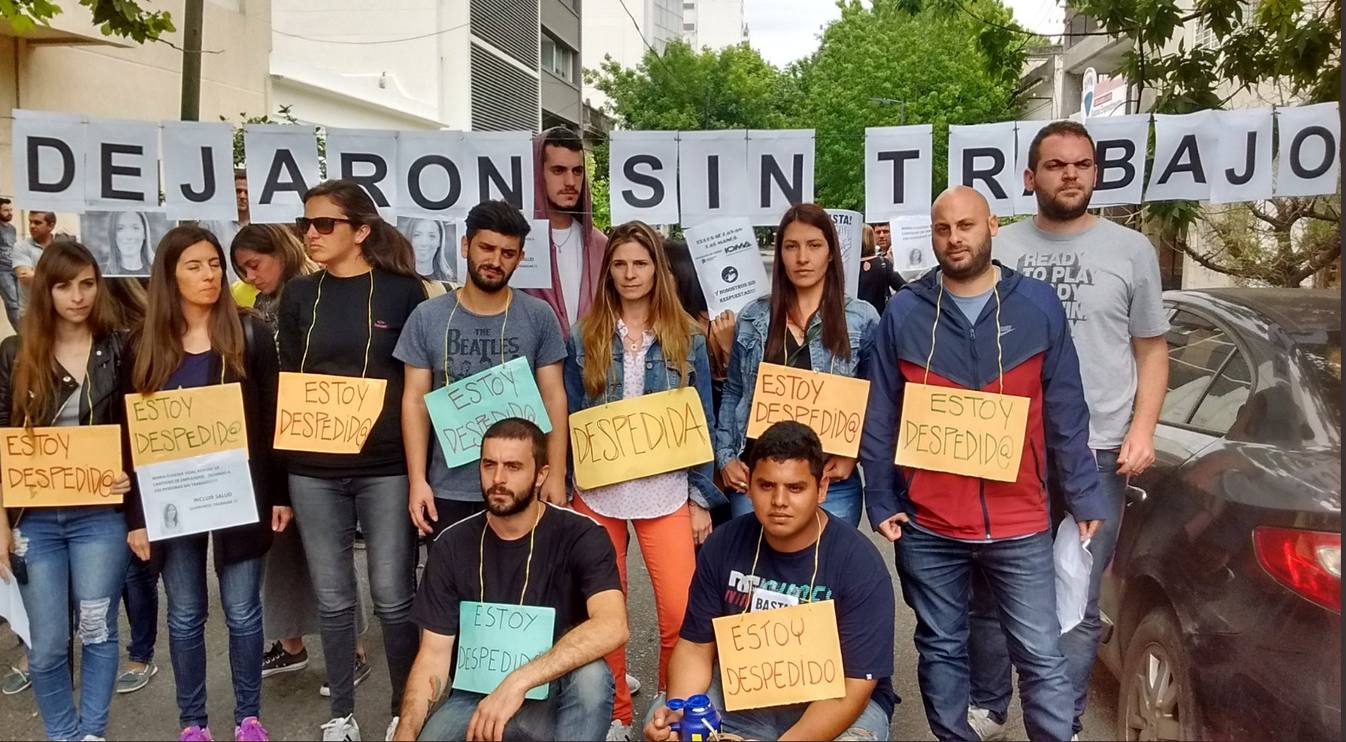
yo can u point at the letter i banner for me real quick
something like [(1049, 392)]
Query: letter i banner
[(320, 413), (494, 639), (780, 657), (962, 431)]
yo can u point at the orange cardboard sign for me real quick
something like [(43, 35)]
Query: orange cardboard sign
[(179, 424), (961, 431), (326, 414), (833, 406), (52, 467), (781, 656)]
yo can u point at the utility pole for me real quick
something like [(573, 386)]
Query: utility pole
[(191, 61), (902, 107)]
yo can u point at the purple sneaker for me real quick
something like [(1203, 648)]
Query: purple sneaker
[(195, 733), (251, 730)]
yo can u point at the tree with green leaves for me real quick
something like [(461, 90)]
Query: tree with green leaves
[(123, 18), (891, 62), (1284, 51)]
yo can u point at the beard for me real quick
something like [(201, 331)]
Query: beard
[(488, 285), (978, 260), (574, 212), (1061, 210), (518, 503)]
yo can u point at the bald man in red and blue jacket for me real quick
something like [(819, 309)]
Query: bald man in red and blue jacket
[(993, 330)]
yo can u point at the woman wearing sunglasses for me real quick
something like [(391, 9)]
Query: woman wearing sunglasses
[(65, 373), (809, 323), (345, 321), (194, 335)]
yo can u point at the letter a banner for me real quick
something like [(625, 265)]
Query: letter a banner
[(639, 437)]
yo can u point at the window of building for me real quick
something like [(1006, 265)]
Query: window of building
[(558, 59), (689, 26)]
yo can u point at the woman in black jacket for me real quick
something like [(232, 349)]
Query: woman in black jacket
[(194, 335), (64, 373)]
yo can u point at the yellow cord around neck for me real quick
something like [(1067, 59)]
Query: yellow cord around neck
[(527, 566), (369, 322), (817, 547)]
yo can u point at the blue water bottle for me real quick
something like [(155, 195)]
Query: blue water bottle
[(700, 722), (675, 704)]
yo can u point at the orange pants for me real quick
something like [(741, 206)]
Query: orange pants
[(670, 557)]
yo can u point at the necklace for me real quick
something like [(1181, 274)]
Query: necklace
[(569, 234)]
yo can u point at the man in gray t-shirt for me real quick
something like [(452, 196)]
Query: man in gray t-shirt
[(1107, 277), (481, 325)]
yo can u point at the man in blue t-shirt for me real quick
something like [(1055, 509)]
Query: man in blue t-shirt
[(801, 555)]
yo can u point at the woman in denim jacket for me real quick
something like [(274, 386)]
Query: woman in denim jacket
[(809, 323), (636, 340)]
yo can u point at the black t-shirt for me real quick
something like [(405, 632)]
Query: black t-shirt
[(349, 317), (850, 572), (573, 560)]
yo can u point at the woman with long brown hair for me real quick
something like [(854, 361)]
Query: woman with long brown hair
[(194, 335), (345, 320), (64, 373), (637, 339), (809, 323), (266, 257)]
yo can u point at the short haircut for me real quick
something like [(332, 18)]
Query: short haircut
[(560, 136), (788, 440), (497, 216), (240, 173), (5, 202), (1065, 127), (47, 216), (519, 429)]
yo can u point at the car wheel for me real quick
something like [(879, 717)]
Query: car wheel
[(1157, 701)]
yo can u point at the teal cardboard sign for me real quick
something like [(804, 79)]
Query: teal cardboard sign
[(496, 638), (462, 411)]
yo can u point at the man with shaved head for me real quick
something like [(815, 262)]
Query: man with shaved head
[(976, 325)]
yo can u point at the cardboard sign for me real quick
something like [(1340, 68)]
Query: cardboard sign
[(633, 438), (779, 657), (462, 411), (496, 638), (197, 495), (834, 406), (179, 424), (727, 263), (50, 467), (326, 414), (961, 431)]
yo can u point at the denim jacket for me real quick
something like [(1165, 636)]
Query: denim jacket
[(750, 334), (659, 376)]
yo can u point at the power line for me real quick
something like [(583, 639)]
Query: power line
[(371, 43)]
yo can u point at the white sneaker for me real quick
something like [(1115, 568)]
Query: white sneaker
[(987, 729), (633, 683), (392, 727), (91, 738), (619, 732), (341, 729)]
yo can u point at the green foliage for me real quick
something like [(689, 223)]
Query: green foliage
[(930, 59), (124, 18), (284, 115), (933, 63), (598, 186)]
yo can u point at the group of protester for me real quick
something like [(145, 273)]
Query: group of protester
[(772, 517)]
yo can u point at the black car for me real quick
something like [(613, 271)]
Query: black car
[(1224, 597)]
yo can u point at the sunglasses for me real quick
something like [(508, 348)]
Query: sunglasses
[(324, 224)]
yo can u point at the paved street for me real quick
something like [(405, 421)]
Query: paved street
[(293, 710)]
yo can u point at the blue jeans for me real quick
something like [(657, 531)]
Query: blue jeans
[(844, 500), (327, 511), (188, 607), (989, 655), (936, 577), (76, 560), (578, 707), (141, 596), (773, 722), (9, 294)]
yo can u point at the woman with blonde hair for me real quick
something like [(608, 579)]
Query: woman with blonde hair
[(637, 339)]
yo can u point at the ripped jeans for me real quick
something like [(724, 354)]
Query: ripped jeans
[(77, 558)]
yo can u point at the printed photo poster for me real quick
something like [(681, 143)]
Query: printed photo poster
[(435, 244), (534, 271), (850, 234), (197, 494), (728, 264), (124, 242), (913, 254)]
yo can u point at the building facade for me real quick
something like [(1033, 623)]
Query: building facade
[(480, 65), (713, 24), (622, 30)]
